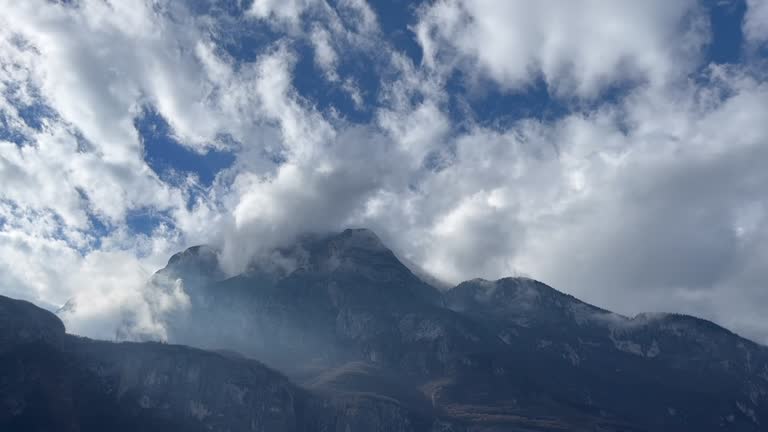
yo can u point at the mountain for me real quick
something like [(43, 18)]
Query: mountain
[(326, 300), (340, 314), (361, 342), (655, 371), (53, 381)]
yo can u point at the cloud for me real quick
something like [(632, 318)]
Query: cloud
[(101, 289), (287, 11), (755, 25), (73, 179), (325, 55), (653, 203), (360, 14), (651, 199), (663, 218), (576, 48)]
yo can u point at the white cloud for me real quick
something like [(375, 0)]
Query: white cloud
[(325, 54), (654, 201), (577, 48), (756, 21), (360, 14), (354, 92), (654, 220), (95, 66), (103, 288), (417, 131), (288, 11), (642, 205)]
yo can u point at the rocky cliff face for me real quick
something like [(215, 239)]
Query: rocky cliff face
[(53, 381)]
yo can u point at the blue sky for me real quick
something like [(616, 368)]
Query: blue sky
[(612, 149)]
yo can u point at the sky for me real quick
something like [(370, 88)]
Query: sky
[(615, 150)]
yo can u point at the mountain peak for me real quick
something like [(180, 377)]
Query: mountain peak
[(200, 260), (194, 253), (22, 322), (326, 302), (517, 298), (345, 242), (676, 322), (361, 238), (507, 288), (349, 249)]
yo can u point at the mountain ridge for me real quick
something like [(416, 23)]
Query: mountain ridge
[(51, 380), (347, 299), (344, 319), (194, 251)]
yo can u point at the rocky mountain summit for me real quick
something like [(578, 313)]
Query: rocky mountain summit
[(362, 344)]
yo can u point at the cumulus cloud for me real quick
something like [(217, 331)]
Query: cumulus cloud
[(653, 203), (649, 200), (100, 290), (664, 210), (87, 70), (756, 21), (577, 48)]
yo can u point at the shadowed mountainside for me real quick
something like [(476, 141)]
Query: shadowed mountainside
[(370, 346), (50, 380), (340, 313)]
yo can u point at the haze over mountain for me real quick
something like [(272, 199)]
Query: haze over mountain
[(55, 381), (355, 330)]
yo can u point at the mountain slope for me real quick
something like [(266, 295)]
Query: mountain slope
[(340, 313), (660, 371), (50, 380), (341, 298)]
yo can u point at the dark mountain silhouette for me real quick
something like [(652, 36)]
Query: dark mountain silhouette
[(53, 381), (367, 345)]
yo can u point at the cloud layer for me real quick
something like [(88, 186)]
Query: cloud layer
[(643, 192)]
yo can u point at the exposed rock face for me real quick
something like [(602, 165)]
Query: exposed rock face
[(370, 347), (53, 381)]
